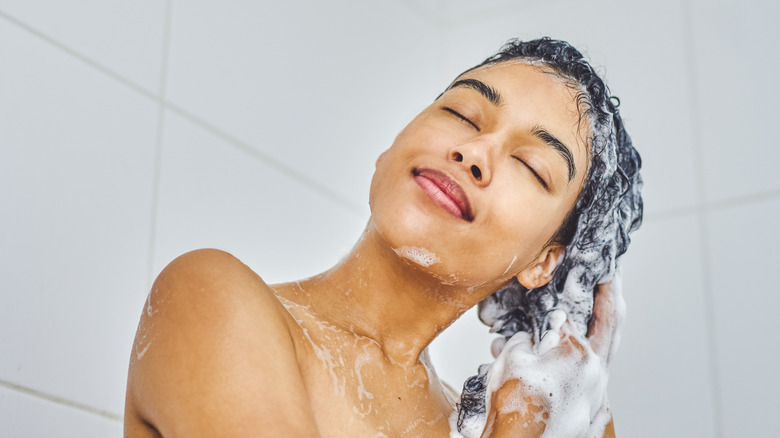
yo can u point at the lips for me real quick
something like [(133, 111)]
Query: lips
[(444, 191)]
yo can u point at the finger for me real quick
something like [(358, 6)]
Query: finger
[(601, 326), (609, 311), (497, 346), (552, 337), (513, 414)]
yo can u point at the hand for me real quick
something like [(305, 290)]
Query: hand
[(558, 385), (609, 312)]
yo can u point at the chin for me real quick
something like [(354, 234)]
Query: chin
[(407, 225)]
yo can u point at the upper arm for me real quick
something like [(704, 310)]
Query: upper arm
[(213, 355)]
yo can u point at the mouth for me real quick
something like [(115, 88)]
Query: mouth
[(445, 192)]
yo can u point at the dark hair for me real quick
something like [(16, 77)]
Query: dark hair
[(595, 232)]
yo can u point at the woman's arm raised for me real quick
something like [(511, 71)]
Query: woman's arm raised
[(213, 356)]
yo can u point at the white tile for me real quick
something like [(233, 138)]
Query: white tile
[(736, 66), (321, 86), (461, 349), (743, 247), (453, 12), (431, 10), (22, 415), (124, 36), (639, 46), (660, 383), (460, 11), (215, 195), (76, 160)]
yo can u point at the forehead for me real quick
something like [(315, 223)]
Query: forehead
[(532, 94), (533, 86)]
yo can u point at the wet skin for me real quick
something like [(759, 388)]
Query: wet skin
[(220, 353)]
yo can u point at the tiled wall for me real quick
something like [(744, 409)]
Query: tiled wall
[(131, 132)]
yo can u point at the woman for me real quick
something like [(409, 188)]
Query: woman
[(478, 192)]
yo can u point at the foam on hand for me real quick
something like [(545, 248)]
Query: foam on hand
[(570, 386)]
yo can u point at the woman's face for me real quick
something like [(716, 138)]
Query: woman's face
[(476, 185)]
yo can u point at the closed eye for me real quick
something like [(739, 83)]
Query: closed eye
[(460, 116), (541, 181)]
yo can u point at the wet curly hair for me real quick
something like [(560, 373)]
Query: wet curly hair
[(595, 232)]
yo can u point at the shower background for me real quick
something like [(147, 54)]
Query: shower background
[(133, 131)]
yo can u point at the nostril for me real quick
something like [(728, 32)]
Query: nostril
[(457, 156), (476, 172)]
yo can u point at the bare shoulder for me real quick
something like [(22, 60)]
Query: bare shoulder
[(213, 356), (215, 278)]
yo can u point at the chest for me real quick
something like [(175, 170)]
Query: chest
[(355, 391)]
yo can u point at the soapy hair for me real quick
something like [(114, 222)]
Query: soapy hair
[(596, 231)]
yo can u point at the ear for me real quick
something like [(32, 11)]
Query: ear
[(540, 272)]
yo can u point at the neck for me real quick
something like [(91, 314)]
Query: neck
[(377, 294)]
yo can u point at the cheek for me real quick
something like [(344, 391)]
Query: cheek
[(394, 214), (514, 246), (522, 228)]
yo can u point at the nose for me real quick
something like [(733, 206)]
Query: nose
[(474, 158)]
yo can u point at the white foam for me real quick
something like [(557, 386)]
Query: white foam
[(570, 385), (471, 428), (361, 390), (334, 362), (149, 310), (140, 354), (421, 256), (510, 265), (497, 345)]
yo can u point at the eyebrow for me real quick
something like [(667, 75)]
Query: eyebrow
[(558, 145), (484, 89)]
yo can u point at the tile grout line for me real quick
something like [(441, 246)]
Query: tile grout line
[(277, 165), (158, 147), (241, 145), (709, 304), (670, 214), (61, 401), (712, 206), (128, 83), (743, 200)]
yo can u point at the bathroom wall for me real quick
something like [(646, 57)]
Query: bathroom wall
[(131, 132)]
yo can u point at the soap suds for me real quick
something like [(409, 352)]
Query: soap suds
[(140, 354), (324, 354), (421, 256), (145, 326), (570, 386), (149, 310), (510, 265), (359, 362), (420, 422)]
